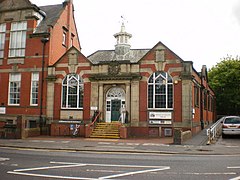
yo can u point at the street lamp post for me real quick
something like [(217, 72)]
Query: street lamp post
[(44, 41)]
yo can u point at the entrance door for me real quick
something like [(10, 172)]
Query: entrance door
[(115, 98), (115, 109)]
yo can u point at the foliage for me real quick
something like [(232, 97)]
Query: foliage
[(224, 79)]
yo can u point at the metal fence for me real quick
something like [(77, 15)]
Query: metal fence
[(214, 131)]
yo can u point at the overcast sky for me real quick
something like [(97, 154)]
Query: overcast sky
[(202, 31)]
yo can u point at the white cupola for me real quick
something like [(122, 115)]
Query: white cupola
[(123, 44)]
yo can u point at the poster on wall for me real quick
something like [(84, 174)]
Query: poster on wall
[(160, 118), (160, 115), (2, 110), (160, 122)]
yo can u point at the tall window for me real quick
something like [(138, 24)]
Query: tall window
[(64, 38), (14, 89), (72, 92), (196, 96), (205, 100), (160, 91), (2, 39), (18, 39), (34, 88), (72, 38)]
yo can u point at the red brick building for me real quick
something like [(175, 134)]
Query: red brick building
[(45, 78), (31, 39), (149, 91)]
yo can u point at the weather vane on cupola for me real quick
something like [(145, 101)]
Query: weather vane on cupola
[(122, 46), (123, 21)]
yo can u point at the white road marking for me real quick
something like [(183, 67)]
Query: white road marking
[(14, 164), (155, 144), (234, 167), (49, 167), (45, 141), (49, 141), (133, 173), (232, 146), (132, 144), (212, 173), (69, 164), (50, 176), (105, 143), (4, 159), (236, 178), (109, 165), (117, 147), (35, 141), (104, 171)]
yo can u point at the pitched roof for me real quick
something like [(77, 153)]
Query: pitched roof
[(52, 15), (6, 5), (52, 12), (134, 55)]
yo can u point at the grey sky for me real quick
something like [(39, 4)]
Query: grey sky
[(202, 31)]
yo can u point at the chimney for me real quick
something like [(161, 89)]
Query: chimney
[(67, 1)]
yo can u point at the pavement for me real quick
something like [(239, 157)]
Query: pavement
[(195, 146)]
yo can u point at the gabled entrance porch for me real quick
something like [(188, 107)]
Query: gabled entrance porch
[(115, 105)]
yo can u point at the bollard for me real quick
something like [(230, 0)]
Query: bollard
[(209, 137)]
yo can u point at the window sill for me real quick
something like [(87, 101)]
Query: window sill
[(71, 109)]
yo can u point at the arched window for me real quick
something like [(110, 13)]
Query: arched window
[(72, 92), (160, 91), (116, 93)]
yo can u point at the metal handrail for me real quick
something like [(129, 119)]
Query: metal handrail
[(214, 131), (96, 117)]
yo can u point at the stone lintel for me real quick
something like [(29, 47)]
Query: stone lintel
[(131, 76)]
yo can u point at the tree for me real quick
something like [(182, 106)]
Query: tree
[(224, 79)]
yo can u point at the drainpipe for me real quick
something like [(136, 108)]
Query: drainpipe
[(201, 103), (44, 41)]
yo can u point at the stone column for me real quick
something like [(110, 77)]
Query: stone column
[(186, 77), (50, 99), (135, 103), (128, 101), (100, 100)]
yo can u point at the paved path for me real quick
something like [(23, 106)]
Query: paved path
[(197, 145)]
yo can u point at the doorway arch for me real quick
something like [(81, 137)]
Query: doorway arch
[(115, 100)]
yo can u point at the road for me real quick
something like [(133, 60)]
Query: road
[(29, 164), (233, 141)]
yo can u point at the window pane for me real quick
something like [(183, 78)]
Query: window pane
[(170, 96), (14, 88), (2, 39), (72, 92), (160, 91), (64, 96), (34, 88), (150, 79), (18, 39), (160, 101), (72, 101), (150, 96)]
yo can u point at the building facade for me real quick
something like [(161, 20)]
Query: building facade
[(31, 39), (149, 91), (46, 80)]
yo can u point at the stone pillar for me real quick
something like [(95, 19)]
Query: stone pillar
[(94, 94), (128, 101), (50, 99), (135, 103), (100, 100), (187, 102), (51, 78), (187, 107)]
